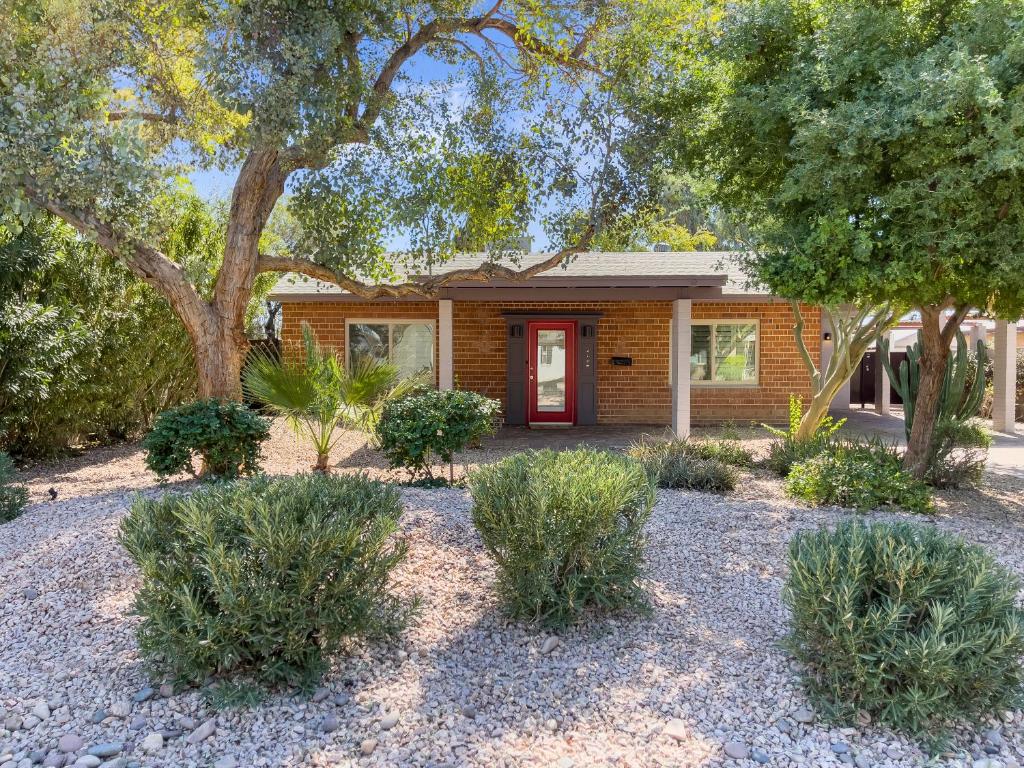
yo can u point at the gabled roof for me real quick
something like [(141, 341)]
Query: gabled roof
[(718, 270)]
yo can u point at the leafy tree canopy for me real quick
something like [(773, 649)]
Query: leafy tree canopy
[(105, 103), (874, 149)]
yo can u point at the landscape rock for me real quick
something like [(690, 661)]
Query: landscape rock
[(389, 721), (203, 732), (70, 742), (367, 746), (737, 750), (550, 644), (106, 749), (154, 742)]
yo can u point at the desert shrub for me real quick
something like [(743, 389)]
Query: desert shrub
[(414, 431), (861, 474), (268, 577), (13, 498), (959, 451), (565, 530), (787, 449), (911, 624), (691, 465), (226, 435)]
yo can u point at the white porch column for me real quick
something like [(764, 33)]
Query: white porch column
[(445, 349), (1004, 375), (883, 393), (680, 361)]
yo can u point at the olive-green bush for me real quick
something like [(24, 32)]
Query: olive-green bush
[(566, 531), (267, 577), (906, 622), (697, 465), (864, 475), (225, 435), (13, 498)]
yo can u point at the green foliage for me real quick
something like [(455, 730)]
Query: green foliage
[(264, 577), (959, 452), (697, 465), (13, 498), (90, 352), (565, 530), (963, 385), (317, 394), (788, 449), (913, 625), (415, 431), (226, 435), (865, 475), (863, 144)]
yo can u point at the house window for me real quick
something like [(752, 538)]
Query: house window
[(407, 345), (724, 352)]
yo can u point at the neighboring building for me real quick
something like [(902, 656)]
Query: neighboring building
[(592, 343)]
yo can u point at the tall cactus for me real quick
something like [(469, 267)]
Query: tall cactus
[(959, 399)]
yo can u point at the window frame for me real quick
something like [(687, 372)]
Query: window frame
[(712, 322), (389, 322)]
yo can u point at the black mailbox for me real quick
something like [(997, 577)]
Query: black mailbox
[(622, 361)]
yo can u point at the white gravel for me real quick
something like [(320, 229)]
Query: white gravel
[(699, 679)]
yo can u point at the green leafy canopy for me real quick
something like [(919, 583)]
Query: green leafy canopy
[(874, 149)]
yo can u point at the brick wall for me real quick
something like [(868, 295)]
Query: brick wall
[(637, 394)]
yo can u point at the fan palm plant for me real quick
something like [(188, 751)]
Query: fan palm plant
[(317, 394)]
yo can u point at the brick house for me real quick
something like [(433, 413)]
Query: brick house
[(655, 338)]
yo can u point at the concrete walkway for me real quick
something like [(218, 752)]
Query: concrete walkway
[(1006, 457)]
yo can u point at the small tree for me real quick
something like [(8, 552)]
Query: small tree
[(866, 147), (852, 333), (317, 394)]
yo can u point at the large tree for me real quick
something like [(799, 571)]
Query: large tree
[(380, 120), (875, 150)]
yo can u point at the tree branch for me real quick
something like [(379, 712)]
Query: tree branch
[(149, 117), (144, 261), (427, 287)]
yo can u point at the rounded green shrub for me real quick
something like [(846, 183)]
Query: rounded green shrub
[(13, 498), (415, 431), (225, 434), (565, 531), (697, 465), (911, 624), (264, 576), (864, 476)]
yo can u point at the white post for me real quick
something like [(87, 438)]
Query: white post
[(978, 334), (680, 360), (1004, 375), (445, 349), (883, 398)]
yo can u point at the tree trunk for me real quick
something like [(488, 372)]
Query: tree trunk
[(220, 353), (816, 412), (322, 462), (934, 358)]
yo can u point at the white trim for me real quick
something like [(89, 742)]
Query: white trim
[(756, 382), (445, 345), (388, 321)]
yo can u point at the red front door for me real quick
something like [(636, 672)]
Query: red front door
[(552, 381)]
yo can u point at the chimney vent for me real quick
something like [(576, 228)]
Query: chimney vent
[(662, 247)]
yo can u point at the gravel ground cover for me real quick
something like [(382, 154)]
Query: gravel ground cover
[(699, 681)]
